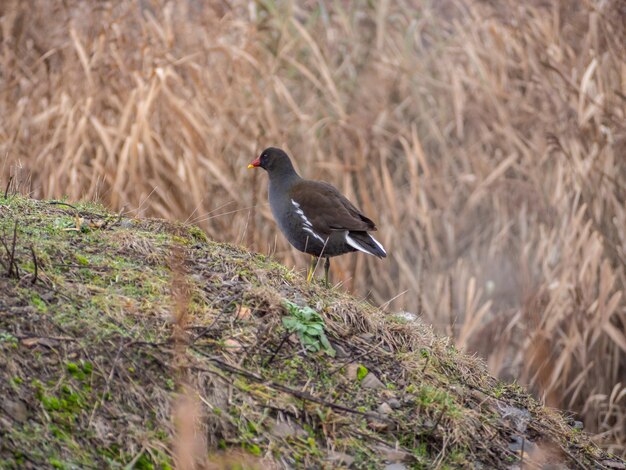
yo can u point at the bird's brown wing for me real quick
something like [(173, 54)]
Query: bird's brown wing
[(327, 209)]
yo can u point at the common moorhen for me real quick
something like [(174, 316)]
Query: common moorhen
[(314, 216)]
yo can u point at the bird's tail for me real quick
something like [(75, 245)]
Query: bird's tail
[(364, 242)]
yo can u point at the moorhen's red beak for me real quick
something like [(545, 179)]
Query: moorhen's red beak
[(255, 163)]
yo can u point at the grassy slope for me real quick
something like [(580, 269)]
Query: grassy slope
[(92, 362)]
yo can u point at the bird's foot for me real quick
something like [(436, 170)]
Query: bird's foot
[(326, 269), (311, 272)]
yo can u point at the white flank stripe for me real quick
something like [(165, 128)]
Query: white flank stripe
[(308, 226), (308, 229)]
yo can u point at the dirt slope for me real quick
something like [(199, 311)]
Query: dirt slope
[(139, 344)]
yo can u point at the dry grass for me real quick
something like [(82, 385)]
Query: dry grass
[(118, 360), (487, 141)]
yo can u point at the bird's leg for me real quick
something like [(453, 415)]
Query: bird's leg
[(326, 268), (309, 275)]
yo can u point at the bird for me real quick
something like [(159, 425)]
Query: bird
[(313, 215)]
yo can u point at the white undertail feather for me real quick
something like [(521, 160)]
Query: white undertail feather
[(355, 245), (378, 244)]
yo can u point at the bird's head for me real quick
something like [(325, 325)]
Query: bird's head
[(271, 159)]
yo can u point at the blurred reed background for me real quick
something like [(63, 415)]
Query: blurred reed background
[(487, 140)]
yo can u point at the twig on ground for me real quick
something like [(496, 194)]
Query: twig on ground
[(107, 385), (11, 253), (294, 392), (282, 342), (6, 191), (434, 427), (59, 203), (32, 252), (355, 358)]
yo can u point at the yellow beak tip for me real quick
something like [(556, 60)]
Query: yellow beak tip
[(251, 166)]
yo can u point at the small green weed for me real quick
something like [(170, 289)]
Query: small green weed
[(6, 337), (309, 326)]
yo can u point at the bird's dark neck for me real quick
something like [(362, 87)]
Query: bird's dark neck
[(283, 177)]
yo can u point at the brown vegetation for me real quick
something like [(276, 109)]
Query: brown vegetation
[(486, 139)]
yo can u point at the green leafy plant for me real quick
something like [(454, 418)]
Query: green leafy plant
[(309, 326)]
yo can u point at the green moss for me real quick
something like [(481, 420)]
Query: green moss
[(439, 399), (361, 372), (144, 463), (254, 449), (69, 402), (81, 259), (290, 369), (87, 367), (499, 390), (38, 302), (197, 234), (51, 403), (56, 463)]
